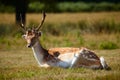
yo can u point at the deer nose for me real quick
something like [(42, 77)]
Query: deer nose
[(29, 45)]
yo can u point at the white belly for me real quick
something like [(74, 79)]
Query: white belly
[(66, 60)]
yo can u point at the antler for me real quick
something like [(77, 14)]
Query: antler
[(21, 23), (43, 18)]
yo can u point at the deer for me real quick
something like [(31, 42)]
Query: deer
[(64, 57)]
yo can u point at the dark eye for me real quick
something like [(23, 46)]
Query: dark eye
[(23, 36)]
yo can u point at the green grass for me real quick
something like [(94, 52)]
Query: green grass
[(100, 36), (92, 41), (100, 33), (20, 64)]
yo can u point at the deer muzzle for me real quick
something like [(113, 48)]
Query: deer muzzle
[(29, 45)]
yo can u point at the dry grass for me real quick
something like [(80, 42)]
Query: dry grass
[(17, 62), (7, 18), (21, 65), (63, 17)]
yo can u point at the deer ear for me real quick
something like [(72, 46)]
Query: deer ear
[(39, 33)]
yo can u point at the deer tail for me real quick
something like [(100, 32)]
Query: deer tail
[(104, 64)]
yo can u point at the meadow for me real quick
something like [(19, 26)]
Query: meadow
[(97, 31), (21, 65)]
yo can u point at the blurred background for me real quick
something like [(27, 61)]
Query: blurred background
[(94, 24), (69, 23)]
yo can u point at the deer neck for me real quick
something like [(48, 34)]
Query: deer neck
[(39, 53)]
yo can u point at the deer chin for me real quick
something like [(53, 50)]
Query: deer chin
[(30, 45)]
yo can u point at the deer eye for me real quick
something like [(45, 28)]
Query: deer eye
[(23, 36)]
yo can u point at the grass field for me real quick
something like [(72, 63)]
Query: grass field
[(63, 17), (17, 61), (21, 65)]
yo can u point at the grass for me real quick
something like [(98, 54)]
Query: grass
[(21, 65), (60, 18), (93, 30), (17, 61), (74, 17), (92, 41)]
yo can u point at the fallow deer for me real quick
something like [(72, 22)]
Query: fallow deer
[(67, 57)]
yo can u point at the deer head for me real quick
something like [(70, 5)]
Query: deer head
[(32, 35)]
